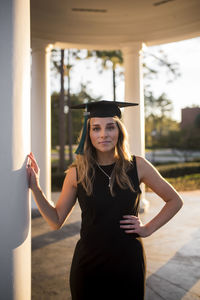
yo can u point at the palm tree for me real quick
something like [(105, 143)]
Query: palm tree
[(64, 70), (115, 57), (69, 114), (62, 116)]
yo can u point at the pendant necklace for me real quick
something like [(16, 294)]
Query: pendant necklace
[(109, 177)]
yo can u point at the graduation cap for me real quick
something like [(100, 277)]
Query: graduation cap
[(99, 109)]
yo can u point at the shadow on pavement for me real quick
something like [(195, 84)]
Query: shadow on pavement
[(175, 279), (45, 239)]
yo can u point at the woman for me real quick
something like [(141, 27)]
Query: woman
[(109, 260)]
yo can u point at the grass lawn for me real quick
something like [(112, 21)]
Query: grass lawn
[(184, 183)]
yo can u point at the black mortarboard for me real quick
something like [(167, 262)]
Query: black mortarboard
[(99, 109)]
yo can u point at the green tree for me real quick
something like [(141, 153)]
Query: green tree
[(185, 140), (158, 123), (197, 121), (153, 66), (77, 115), (109, 59), (158, 131), (156, 63), (157, 119), (152, 69), (156, 109), (63, 69)]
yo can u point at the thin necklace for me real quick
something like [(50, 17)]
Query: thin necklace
[(109, 177)]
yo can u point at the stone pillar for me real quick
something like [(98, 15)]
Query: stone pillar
[(134, 117), (41, 113), (15, 249)]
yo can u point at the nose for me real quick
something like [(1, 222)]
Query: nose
[(103, 133)]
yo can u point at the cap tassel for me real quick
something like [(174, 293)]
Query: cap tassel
[(80, 149)]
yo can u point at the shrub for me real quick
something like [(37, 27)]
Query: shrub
[(180, 169), (57, 181), (167, 171)]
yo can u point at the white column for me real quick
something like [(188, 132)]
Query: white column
[(41, 114), (134, 117), (15, 248)]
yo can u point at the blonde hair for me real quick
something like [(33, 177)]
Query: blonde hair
[(85, 164)]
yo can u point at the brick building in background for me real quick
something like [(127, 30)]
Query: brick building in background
[(188, 116)]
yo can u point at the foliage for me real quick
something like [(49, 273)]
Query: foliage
[(77, 115), (153, 63), (185, 139), (158, 122), (157, 109), (109, 58), (57, 180), (197, 121), (55, 61), (115, 57), (179, 169), (54, 119), (183, 176), (172, 136), (185, 183), (158, 131)]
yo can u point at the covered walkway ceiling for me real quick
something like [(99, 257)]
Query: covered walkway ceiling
[(112, 23)]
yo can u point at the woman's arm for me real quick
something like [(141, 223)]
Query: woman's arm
[(54, 215), (173, 202)]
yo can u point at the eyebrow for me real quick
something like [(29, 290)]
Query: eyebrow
[(108, 124)]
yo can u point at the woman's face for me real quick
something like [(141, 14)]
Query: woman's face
[(104, 133)]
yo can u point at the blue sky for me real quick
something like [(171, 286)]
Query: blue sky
[(185, 91)]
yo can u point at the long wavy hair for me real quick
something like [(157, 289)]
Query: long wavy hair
[(86, 163)]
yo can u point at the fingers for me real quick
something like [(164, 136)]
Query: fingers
[(32, 162), (130, 217), (133, 224), (32, 158), (130, 224), (32, 170), (28, 169), (32, 177)]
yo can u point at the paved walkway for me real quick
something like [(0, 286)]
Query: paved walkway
[(173, 254)]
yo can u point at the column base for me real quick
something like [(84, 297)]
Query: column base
[(144, 206)]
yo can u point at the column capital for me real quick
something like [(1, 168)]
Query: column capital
[(132, 47), (39, 45)]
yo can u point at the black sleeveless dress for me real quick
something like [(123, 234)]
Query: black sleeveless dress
[(108, 264)]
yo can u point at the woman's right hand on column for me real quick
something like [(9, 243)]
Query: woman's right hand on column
[(33, 172)]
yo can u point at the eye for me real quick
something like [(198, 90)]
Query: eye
[(95, 129), (112, 127)]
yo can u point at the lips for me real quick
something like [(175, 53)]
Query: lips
[(104, 142)]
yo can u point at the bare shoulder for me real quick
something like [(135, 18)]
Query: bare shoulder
[(140, 161), (71, 177), (144, 167)]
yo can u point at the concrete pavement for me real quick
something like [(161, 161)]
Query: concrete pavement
[(173, 254)]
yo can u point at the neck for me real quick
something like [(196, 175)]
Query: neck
[(105, 158)]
